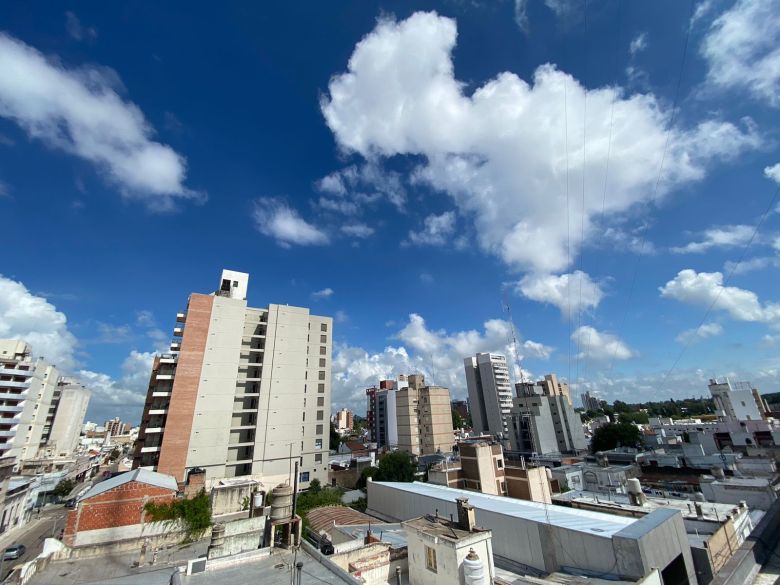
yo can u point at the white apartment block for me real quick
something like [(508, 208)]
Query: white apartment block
[(28, 400), (71, 409), (490, 393), (244, 392), (737, 400)]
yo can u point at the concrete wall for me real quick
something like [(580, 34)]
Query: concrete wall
[(449, 559), (240, 536), (228, 499)]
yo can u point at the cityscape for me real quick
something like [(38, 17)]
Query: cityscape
[(423, 293)]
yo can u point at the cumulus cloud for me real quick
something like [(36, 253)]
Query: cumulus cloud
[(571, 293), (277, 220), (500, 151), (325, 293), (706, 289), (773, 173), (638, 44), (33, 319), (350, 189), (742, 49), (521, 14), (751, 265), (358, 230), (599, 345), (703, 332), (436, 230), (80, 112), (719, 237), (78, 31), (437, 354)]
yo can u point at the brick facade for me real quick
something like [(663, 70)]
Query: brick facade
[(121, 506)]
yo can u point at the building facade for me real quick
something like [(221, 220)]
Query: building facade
[(342, 420), (544, 421), (737, 400), (424, 416), (490, 393), (71, 410), (590, 402), (28, 400), (116, 427), (244, 392)]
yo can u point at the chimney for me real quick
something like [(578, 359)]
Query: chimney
[(699, 510), (466, 516)]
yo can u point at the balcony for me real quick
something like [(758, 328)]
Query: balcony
[(15, 371), (178, 331), (181, 317), (14, 397), (168, 358), (12, 384), (175, 346), (161, 394), (154, 430), (7, 433), (153, 411), (161, 377), (155, 449), (11, 408)]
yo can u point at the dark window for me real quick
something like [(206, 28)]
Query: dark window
[(323, 350), (304, 476), (322, 362), (319, 432), (321, 375), (320, 401), (320, 388), (320, 414), (318, 458), (323, 327), (324, 339)]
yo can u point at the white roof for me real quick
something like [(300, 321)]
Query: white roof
[(139, 475), (571, 518)]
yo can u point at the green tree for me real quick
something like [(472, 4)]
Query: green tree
[(114, 455), (457, 420), (335, 438), (364, 475), (635, 417), (314, 486), (64, 487), (614, 434), (396, 466)]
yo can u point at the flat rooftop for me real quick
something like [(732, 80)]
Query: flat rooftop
[(599, 523), (392, 534), (441, 528)]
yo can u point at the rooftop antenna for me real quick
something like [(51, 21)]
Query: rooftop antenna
[(513, 338)]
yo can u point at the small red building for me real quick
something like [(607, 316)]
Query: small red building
[(113, 509)]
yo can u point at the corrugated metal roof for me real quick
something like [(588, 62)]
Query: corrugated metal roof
[(570, 518), (324, 517), (139, 475)]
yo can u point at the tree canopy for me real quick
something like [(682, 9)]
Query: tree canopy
[(396, 466), (613, 435)]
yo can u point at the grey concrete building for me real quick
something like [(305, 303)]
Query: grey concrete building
[(71, 409), (544, 421), (490, 393), (245, 392)]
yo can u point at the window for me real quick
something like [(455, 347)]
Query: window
[(318, 458), (322, 362), (319, 432), (323, 327), (320, 401), (320, 415), (323, 339), (321, 374), (304, 416), (320, 388), (323, 350), (430, 559), (499, 463), (318, 443), (304, 476)]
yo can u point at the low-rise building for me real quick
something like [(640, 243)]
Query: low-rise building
[(758, 492)]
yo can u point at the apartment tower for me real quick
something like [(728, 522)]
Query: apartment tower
[(28, 400), (490, 394), (244, 391), (424, 415), (737, 400), (71, 409)]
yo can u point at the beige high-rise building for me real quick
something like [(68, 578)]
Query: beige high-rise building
[(71, 409), (245, 392), (28, 400), (424, 416)]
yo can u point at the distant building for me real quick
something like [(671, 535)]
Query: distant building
[(29, 394), (461, 407), (342, 421), (424, 418), (490, 393), (544, 420), (244, 392), (381, 413), (737, 401), (71, 409), (590, 402), (116, 427)]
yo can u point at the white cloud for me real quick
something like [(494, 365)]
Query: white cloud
[(571, 293), (757, 263), (33, 319), (114, 333), (599, 345), (275, 219), (325, 293), (703, 332), (351, 188), (521, 15), (123, 397), (499, 152), (435, 353), (702, 10), (76, 30), (742, 49), (358, 230), (728, 236), (80, 112), (773, 173), (341, 316), (638, 44), (706, 289), (436, 230)]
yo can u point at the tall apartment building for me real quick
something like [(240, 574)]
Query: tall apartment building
[(115, 427), (381, 412), (737, 400), (424, 417), (244, 392), (342, 420), (490, 393), (590, 402), (544, 420), (71, 410), (28, 400)]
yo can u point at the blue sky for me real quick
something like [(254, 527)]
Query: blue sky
[(403, 167)]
